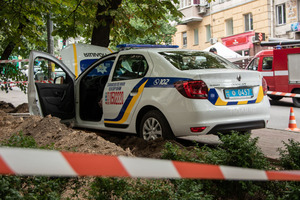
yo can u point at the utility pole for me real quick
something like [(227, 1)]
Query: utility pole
[(49, 36), (50, 44)]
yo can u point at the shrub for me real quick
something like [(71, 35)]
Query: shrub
[(289, 157), (128, 188), (19, 187), (236, 149), (290, 160)]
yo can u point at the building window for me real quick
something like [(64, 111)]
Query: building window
[(248, 22), (208, 33), (196, 37), (280, 14), (229, 27), (184, 39), (185, 3)]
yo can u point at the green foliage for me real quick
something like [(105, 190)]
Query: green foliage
[(236, 149), (21, 187), (290, 160), (126, 188), (134, 21), (23, 23), (147, 22), (20, 140), (289, 156), (12, 73)]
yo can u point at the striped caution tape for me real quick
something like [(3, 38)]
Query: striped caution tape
[(18, 161), (26, 82), (283, 94), (13, 82), (20, 60), (14, 61)]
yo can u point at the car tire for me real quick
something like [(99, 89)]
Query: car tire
[(154, 125), (296, 101), (275, 98)]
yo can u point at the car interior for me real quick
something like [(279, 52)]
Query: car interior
[(91, 91)]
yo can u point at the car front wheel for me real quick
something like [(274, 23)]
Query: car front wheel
[(154, 125), (296, 101)]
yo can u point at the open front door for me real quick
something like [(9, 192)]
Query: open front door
[(50, 87)]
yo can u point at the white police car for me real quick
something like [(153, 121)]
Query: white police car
[(153, 92)]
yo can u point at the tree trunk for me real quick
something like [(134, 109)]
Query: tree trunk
[(100, 36), (11, 45), (7, 51)]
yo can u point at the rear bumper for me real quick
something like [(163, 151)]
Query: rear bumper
[(217, 119), (243, 126)]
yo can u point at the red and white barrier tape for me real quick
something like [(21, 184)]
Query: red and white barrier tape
[(13, 82), (25, 82), (283, 94), (20, 60), (18, 161), (14, 61)]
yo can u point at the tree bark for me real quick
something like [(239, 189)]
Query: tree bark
[(100, 35), (7, 51), (11, 45)]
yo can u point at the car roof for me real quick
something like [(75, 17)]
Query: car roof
[(156, 50)]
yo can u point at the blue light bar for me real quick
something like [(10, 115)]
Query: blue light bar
[(124, 46)]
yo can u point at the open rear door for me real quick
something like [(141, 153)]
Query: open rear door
[(50, 87)]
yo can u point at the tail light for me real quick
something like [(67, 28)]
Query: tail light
[(264, 86), (192, 89), (198, 129)]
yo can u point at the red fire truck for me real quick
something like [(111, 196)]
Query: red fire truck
[(281, 70)]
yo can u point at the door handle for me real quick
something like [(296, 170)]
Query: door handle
[(134, 91)]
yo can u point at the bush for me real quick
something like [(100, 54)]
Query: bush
[(289, 157), (19, 187), (128, 188), (290, 160), (236, 149)]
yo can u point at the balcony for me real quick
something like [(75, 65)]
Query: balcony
[(194, 12)]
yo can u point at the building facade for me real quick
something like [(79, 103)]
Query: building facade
[(238, 24)]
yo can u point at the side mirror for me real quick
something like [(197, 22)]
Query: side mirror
[(59, 80)]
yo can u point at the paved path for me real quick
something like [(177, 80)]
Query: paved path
[(15, 96), (269, 140)]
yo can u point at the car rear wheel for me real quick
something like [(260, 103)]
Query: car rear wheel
[(154, 125), (296, 101), (275, 98)]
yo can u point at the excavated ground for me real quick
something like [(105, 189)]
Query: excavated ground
[(49, 131)]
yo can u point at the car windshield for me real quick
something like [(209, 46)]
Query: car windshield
[(190, 60)]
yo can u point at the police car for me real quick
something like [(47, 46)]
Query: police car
[(154, 92)]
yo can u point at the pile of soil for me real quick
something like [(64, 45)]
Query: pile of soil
[(49, 131)]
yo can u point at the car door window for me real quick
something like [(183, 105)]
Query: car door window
[(46, 71), (130, 67), (254, 64), (267, 63)]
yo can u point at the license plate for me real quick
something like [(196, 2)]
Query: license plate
[(238, 93)]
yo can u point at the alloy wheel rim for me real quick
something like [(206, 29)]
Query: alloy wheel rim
[(152, 129)]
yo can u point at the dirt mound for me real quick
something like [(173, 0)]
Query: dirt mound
[(23, 108), (6, 107), (10, 108), (138, 146), (49, 131)]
